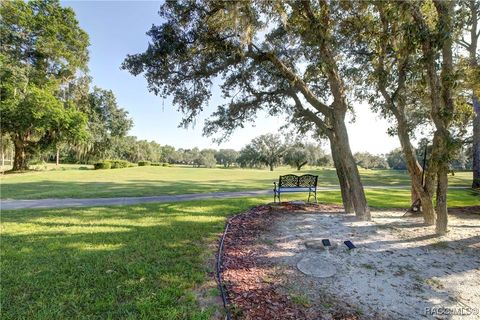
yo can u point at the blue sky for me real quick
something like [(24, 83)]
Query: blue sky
[(117, 28)]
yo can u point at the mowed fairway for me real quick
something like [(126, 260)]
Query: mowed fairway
[(148, 261), (143, 261), (151, 181)]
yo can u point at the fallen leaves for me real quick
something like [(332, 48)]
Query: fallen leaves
[(248, 274)]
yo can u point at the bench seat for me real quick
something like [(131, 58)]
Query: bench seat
[(293, 183), (296, 189)]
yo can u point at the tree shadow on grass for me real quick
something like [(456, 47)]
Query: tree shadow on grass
[(133, 188), (151, 187), (118, 262)]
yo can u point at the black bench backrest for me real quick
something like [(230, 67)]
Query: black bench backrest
[(293, 181)]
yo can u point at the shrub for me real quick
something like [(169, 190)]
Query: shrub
[(119, 164), (144, 163), (165, 164), (102, 165), (155, 164)]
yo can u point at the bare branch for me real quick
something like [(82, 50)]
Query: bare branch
[(464, 44)]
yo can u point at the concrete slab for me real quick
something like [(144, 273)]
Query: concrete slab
[(317, 265)]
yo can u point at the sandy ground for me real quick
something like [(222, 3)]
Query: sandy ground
[(399, 270)]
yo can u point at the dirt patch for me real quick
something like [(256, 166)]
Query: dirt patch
[(257, 287), (400, 269)]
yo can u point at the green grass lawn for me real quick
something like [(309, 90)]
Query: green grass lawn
[(142, 261), (149, 181), (400, 198)]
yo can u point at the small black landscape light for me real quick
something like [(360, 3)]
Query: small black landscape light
[(326, 243), (349, 244)]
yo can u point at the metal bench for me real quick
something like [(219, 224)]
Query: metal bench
[(293, 183)]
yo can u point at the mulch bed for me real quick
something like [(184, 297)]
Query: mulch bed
[(465, 210), (253, 292), (247, 275)]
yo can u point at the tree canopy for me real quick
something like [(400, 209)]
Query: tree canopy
[(283, 58), (42, 49), (299, 154)]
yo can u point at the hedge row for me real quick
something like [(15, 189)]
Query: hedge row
[(157, 164), (102, 165), (112, 164), (115, 164), (120, 164)]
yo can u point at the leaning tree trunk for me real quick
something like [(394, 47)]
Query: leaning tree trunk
[(20, 158), (342, 179), (442, 106), (414, 195), (420, 188), (300, 165), (345, 155)]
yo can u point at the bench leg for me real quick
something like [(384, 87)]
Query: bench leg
[(276, 195)]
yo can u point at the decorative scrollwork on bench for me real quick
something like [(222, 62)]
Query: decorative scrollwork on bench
[(294, 183)]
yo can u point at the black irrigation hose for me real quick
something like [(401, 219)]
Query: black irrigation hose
[(217, 271)]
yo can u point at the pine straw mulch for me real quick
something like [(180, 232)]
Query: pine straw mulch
[(253, 288)]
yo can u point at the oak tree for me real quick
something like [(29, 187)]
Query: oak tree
[(282, 57), (42, 49)]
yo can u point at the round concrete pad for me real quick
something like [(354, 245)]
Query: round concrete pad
[(317, 266)]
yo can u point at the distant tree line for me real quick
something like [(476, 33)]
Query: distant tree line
[(108, 141), (414, 63)]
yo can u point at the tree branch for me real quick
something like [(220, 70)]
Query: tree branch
[(291, 76), (309, 114), (464, 44)]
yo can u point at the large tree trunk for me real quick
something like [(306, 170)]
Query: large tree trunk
[(442, 107), (441, 205), (419, 187), (476, 104), (396, 103), (342, 178), (345, 155), (476, 144), (20, 158)]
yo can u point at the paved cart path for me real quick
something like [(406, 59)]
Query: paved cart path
[(14, 204)]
